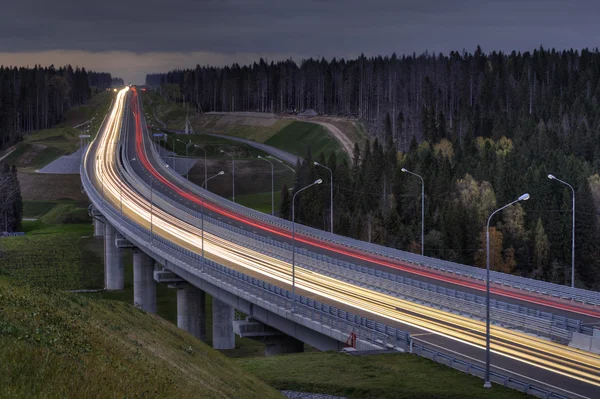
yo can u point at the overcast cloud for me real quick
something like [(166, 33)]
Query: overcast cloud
[(132, 37)]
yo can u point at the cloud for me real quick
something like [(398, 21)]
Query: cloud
[(129, 37)]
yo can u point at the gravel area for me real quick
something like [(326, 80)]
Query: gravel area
[(306, 395), (67, 164)]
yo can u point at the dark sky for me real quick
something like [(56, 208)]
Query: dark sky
[(132, 37)]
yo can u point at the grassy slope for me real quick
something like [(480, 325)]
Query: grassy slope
[(40, 148), (52, 254), (284, 133), (54, 344), (298, 137), (380, 376)]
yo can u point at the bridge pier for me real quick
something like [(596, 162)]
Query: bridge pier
[(98, 227), (191, 311), (223, 337), (114, 275), (144, 286)]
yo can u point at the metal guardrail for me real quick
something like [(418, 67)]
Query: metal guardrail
[(365, 329), (507, 315), (432, 295), (521, 283)]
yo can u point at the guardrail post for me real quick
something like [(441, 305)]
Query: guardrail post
[(144, 286)]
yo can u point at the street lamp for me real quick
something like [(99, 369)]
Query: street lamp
[(487, 383), (552, 177), (330, 193), (272, 186), (202, 214), (422, 209), (203, 149), (318, 181), (174, 150), (233, 173), (187, 145)]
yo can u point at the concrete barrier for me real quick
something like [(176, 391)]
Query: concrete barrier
[(595, 345), (581, 341)]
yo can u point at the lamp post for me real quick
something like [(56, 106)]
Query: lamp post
[(318, 181), (187, 145), (272, 186), (174, 150), (422, 209), (205, 175), (202, 214), (487, 383), (330, 194), (233, 174), (552, 177)]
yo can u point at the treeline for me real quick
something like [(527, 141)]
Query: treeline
[(103, 80), (375, 201), (11, 202), (37, 98), (468, 93)]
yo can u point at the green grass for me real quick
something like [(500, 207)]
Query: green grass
[(53, 257), (96, 107), (213, 146), (166, 305), (67, 213), (260, 201), (55, 344), (41, 147), (57, 250), (298, 137), (380, 376), (35, 209)]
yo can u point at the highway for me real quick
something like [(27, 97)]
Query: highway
[(529, 357)]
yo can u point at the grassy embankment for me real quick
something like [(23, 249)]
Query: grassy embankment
[(40, 148), (55, 344), (252, 175), (379, 376)]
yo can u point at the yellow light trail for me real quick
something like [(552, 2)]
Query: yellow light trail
[(577, 364)]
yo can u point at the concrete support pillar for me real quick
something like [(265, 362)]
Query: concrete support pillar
[(223, 337), (114, 276), (191, 311), (280, 345), (98, 228), (144, 286)]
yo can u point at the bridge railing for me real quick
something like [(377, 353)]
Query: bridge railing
[(464, 271), (525, 319), (366, 330)]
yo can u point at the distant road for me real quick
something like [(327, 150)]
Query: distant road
[(276, 152)]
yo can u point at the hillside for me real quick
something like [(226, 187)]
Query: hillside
[(55, 344), (334, 134)]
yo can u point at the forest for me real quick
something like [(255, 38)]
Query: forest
[(480, 128), (38, 98), (11, 202)]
